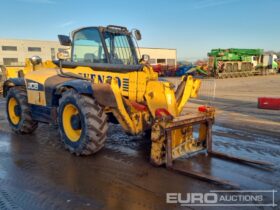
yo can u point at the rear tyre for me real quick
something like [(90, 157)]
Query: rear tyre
[(82, 123), (228, 67), (235, 67), (243, 67), (249, 67), (18, 112)]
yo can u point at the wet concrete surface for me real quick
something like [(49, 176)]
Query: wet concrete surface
[(37, 173)]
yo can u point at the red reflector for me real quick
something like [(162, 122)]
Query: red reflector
[(161, 111), (202, 108), (269, 103), (139, 107)]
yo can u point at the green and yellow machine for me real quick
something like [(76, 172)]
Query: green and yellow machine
[(103, 81), (234, 62)]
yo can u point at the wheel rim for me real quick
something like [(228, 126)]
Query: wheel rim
[(72, 132), (14, 111)]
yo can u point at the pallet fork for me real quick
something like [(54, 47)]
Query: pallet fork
[(204, 118)]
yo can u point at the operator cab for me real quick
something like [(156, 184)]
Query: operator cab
[(102, 45)]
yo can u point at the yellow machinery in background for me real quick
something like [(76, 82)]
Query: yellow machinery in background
[(105, 82), (16, 71), (10, 72)]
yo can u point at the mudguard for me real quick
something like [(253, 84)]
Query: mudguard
[(81, 86), (12, 82)]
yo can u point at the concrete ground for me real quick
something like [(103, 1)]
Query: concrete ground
[(37, 173)]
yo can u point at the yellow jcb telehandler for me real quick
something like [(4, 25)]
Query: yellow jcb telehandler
[(104, 81)]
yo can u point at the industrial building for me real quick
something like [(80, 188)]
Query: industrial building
[(162, 56), (15, 51)]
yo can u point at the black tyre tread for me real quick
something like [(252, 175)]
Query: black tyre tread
[(96, 121), (28, 125)]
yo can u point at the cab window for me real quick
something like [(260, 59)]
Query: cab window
[(119, 49), (87, 47)]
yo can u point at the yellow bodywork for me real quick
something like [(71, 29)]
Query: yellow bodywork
[(135, 80), (161, 95), (12, 71), (38, 97)]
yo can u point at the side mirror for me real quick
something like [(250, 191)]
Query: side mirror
[(145, 58), (64, 40), (63, 55), (137, 34), (35, 60)]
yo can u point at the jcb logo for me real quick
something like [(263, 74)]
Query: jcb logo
[(33, 86)]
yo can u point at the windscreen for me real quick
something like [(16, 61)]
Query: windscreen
[(120, 48), (88, 47)]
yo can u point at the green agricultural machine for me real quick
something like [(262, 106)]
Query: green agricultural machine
[(233, 62)]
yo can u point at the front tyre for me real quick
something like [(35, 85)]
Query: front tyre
[(18, 112), (82, 123)]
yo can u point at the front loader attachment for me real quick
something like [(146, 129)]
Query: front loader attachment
[(174, 138), (189, 136)]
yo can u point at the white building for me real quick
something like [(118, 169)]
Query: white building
[(162, 56), (15, 51)]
